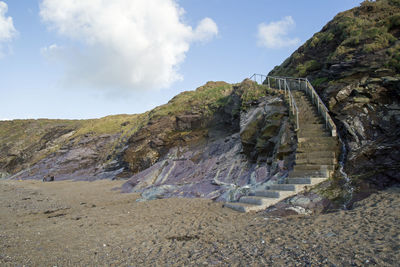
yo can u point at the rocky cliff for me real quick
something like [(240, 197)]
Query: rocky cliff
[(214, 142), (354, 64), (67, 149)]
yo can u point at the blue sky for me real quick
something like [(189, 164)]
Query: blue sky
[(79, 59)]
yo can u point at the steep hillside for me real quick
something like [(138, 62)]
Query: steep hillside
[(68, 149), (354, 64), (215, 142), (211, 142)]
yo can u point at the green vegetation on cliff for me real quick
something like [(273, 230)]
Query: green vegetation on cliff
[(206, 99), (24, 143), (372, 28)]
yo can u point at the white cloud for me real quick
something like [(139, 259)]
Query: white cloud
[(274, 34), (123, 44), (7, 30), (206, 30)]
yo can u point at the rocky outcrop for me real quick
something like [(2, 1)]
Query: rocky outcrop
[(215, 142), (265, 131), (353, 63), (189, 118), (230, 154), (77, 150)]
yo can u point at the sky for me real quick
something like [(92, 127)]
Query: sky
[(79, 59)]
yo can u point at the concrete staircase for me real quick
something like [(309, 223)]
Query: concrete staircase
[(316, 159)]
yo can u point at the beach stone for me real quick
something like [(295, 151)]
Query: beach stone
[(330, 234), (156, 192), (300, 210), (300, 201)]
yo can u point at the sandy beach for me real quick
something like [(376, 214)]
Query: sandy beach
[(90, 224)]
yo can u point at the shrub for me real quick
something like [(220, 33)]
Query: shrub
[(380, 41), (311, 65), (340, 51), (394, 2), (394, 21), (317, 82), (314, 41)]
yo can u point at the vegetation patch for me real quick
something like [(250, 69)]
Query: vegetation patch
[(205, 99), (317, 82), (308, 66)]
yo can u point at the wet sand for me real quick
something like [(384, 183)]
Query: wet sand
[(89, 224)]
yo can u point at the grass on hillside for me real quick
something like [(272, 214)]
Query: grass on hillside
[(370, 28), (205, 99)]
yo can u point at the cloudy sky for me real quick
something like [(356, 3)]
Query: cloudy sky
[(80, 59)]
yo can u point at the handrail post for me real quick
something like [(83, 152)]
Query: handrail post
[(326, 120), (308, 89), (293, 111), (286, 89)]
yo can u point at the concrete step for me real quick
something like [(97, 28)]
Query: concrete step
[(313, 129), (287, 187), (309, 181), (306, 105), (313, 167), (305, 102), (316, 148), (272, 193), (313, 126), (312, 133), (316, 161), (256, 200), (310, 173), (307, 110), (244, 207), (318, 139), (308, 113), (310, 120), (316, 154), (322, 146)]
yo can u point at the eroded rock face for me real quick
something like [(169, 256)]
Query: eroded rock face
[(227, 162), (215, 142), (196, 124), (369, 117), (264, 130), (84, 160)]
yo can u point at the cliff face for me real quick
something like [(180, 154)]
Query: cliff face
[(213, 142), (67, 149), (229, 138), (354, 64)]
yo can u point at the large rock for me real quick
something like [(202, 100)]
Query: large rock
[(228, 164)]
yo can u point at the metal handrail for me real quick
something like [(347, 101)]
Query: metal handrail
[(322, 109), (309, 89), (292, 103), (254, 77)]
